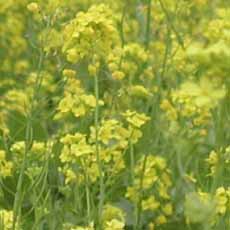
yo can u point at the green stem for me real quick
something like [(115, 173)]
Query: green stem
[(166, 54), (122, 26), (88, 202), (18, 195), (132, 162), (217, 177), (28, 143), (148, 25), (43, 176), (87, 191), (170, 23), (132, 167), (139, 205), (99, 163)]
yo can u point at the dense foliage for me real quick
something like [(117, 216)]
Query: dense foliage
[(114, 115)]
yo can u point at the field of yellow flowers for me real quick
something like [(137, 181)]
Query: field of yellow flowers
[(115, 115)]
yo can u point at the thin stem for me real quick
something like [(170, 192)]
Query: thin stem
[(170, 23), (122, 26), (88, 201), (166, 54), (132, 166), (139, 205), (148, 25), (132, 162), (99, 163), (29, 134), (28, 142), (17, 200), (42, 188), (217, 177), (87, 191)]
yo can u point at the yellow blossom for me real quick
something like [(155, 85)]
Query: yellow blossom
[(33, 7)]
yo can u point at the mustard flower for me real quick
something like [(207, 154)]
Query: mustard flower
[(33, 7)]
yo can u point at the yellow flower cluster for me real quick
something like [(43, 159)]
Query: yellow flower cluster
[(217, 49), (113, 218), (14, 45), (218, 159), (6, 220), (169, 109), (16, 100), (111, 132), (113, 139), (199, 208), (222, 198), (194, 102), (219, 28), (204, 95), (135, 121), (213, 161), (75, 150), (37, 150), (205, 207), (75, 146), (3, 121), (33, 7), (90, 33), (71, 227), (152, 179), (6, 166), (75, 100), (127, 61), (37, 153), (139, 91)]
